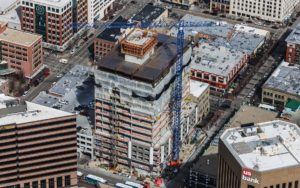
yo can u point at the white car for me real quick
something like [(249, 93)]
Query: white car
[(72, 51), (59, 76), (25, 93), (64, 61), (79, 174)]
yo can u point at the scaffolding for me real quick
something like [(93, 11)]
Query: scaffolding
[(115, 99)]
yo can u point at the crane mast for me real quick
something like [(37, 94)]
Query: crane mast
[(178, 94)]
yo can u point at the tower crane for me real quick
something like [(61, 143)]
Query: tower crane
[(180, 25)]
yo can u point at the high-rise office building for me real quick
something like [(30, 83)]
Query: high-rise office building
[(263, 155), (37, 146), (133, 99)]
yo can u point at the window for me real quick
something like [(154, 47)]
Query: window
[(250, 186), (296, 184), (59, 182), (35, 184), (26, 185), (51, 183), (214, 78), (67, 180), (199, 75), (43, 184)]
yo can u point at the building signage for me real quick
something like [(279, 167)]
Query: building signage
[(40, 20), (247, 176)]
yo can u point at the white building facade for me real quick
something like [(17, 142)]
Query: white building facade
[(274, 11), (97, 9)]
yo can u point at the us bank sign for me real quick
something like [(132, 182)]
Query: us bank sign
[(247, 176)]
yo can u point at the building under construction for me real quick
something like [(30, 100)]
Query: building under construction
[(134, 88)]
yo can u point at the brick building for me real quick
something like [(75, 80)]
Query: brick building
[(217, 66), (22, 51), (221, 6), (54, 20), (293, 46), (110, 37), (107, 40)]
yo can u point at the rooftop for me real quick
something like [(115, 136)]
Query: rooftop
[(139, 37), (32, 112), (285, 79), (246, 42), (112, 34), (218, 29), (251, 30), (197, 88), (249, 114), (12, 18), (46, 99), (294, 36), (241, 41), (52, 3), (19, 37), (149, 13), (265, 146), (5, 4), (238, 37), (217, 60), (150, 71), (79, 91), (73, 78)]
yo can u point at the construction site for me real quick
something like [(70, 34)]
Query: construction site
[(134, 99)]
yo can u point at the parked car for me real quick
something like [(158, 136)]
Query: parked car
[(64, 61), (59, 76), (25, 93)]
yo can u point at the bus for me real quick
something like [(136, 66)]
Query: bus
[(94, 180), (267, 107), (121, 185), (134, 185)]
